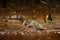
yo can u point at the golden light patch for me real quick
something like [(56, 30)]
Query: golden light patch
[(47, 17)]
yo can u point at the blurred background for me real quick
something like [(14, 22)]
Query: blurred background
[(33, 9)]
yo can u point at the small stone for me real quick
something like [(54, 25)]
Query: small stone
[(54, 32), (15, 33), (22, 33), (2, 33)]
